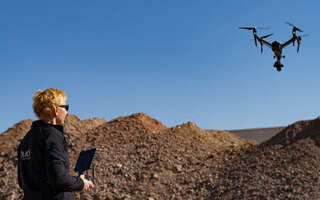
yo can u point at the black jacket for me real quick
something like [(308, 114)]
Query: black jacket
[(43, 164)]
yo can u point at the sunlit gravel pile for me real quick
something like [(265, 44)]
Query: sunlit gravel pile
[(140, 158)]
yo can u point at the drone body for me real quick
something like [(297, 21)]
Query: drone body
[(276, 46)]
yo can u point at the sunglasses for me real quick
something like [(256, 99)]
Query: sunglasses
[(64, 106)]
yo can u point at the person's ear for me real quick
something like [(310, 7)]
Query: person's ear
[(55, 111)]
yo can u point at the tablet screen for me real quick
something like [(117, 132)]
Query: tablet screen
[(85, 160)]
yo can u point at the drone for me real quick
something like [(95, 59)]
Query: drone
[(276, 46)]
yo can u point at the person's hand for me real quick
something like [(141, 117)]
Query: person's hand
[(87, 184)]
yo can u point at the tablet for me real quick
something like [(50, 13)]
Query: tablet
[(85, 160)]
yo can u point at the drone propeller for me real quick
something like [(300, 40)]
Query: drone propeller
[(252, 28), (294, 27), (267, 35), (264, 36), (248, 28), (254, 32)]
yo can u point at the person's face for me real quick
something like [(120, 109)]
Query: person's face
[(61, 114)]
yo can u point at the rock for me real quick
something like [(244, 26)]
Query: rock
[(179, 168), (119, 165), (155, 176)]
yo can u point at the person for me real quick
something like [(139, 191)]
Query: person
[(43, 160)]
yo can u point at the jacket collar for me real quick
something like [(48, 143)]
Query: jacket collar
[(43, 123)]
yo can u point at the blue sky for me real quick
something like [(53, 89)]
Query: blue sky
[(176, 61)]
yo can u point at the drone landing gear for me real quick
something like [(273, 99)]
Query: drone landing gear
[(279, 57), (278, 65)]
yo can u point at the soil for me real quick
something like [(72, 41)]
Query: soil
[(140, 158)]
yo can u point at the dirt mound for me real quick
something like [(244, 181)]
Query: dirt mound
[(137, 122), (284, 167), (9, 142), (140, 158), (74, 125), (10, 138), (76, 130), (295, 132)]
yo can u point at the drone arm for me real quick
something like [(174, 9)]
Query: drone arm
[(262, 41), (288, 42)]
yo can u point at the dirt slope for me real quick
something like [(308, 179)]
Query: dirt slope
[(9, 142), (283, 167), (139, 158)]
